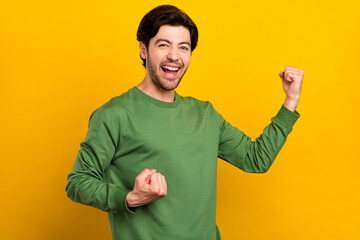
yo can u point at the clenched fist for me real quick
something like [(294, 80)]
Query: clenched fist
[(149, 186), (292, 79)]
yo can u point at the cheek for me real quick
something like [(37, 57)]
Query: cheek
[(187, 60), (158, 58)]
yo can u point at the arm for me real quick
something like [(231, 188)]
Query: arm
[(257, 156), (85, 183)]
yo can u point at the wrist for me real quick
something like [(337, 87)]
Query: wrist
[(131, 199), (291, 103)]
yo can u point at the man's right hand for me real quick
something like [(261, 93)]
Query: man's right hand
[(149, 186)]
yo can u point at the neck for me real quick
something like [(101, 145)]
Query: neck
[(156, 92)]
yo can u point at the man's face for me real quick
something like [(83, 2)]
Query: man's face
[(168, 56)]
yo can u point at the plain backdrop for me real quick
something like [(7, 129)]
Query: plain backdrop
[(60, 60)]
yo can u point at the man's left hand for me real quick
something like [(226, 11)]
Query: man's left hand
[(292, 79)]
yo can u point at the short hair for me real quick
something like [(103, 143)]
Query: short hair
[(165, 15)]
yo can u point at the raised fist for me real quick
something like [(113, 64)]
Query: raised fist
[(292, 79)]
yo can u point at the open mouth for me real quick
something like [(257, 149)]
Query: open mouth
[(170, 72)]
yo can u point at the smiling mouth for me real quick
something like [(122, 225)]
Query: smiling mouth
[(170, 72), (170, 69)]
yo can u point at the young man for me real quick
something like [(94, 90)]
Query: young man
[(150, 155)]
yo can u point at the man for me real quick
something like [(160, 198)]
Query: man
[(150, 155)]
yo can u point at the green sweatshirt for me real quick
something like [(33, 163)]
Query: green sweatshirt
[(181, 140)]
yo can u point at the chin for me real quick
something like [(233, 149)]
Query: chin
[(168, 87), (173, 84)]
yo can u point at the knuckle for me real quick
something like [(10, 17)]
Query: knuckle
[(156, 189), (164, 193)]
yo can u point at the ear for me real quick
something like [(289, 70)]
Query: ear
[(143, 52)]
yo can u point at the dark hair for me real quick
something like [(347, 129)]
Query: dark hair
[(165, 15)]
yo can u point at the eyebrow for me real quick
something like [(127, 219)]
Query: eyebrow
[(169, 42)]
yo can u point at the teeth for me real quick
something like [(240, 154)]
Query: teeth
[(171, 68)]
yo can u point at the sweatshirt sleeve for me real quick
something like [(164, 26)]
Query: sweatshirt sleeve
[(255, 156), (85, 184)]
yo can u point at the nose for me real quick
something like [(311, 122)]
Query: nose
[(173, 54)]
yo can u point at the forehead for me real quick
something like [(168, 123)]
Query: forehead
[(174, 34)]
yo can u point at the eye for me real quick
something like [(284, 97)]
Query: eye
[(184, 48), (163, 45)]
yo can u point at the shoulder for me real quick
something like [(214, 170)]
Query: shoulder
[(120, 102), (205, 107), (194, 102), (116, 106)]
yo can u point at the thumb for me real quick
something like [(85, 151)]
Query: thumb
[(148, 178), (144, 175), (281, 74)]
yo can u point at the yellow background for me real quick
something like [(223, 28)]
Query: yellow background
[(60, 60)]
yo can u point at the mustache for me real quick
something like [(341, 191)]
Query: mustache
[(179, 64)]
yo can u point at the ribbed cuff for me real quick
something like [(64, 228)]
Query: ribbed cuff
[(118, 200), (286, 118), (130, 209)]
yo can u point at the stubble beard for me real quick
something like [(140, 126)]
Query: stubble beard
[(166, 84)]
